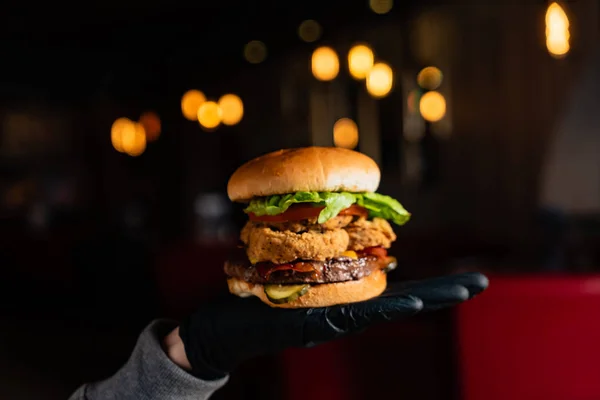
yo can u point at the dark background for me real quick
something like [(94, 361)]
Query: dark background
[(95, 244)]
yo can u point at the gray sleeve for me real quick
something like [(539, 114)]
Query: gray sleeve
[(149, 374)]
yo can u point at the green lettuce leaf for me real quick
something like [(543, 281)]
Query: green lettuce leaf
[(377, 204), (383, 206)]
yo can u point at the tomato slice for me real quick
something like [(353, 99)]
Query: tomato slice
[(294, 213), (299, 212), (355, 210)]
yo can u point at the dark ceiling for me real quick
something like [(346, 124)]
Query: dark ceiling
[(71, 51)]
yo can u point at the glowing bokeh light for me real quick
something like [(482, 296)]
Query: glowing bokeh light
[(309, 31), (430, 78), (360, 61), (557, 31), (122, 127), (432, 106), (232, 109), (558, 47), (380, 80), (556, 18), (345, 133), (134, 141), (325, 64), (191, 102), (209, 115), (255, 52), (151, 123), (381, 6)]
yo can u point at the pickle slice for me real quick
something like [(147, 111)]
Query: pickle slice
[(392, 263), (280, 294)]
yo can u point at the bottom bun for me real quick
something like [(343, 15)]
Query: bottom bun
[(321, 295)]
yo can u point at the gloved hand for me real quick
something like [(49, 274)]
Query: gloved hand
[(221, 335)]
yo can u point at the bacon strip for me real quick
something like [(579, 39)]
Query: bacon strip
[(266, 269), (379, 252)]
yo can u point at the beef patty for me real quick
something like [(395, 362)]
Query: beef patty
[(338, 269)]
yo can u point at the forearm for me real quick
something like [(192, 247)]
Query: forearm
[(155, 370)]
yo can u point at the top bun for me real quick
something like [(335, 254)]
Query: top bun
[(308, 169)]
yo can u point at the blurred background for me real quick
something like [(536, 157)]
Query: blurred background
[(120, 125)]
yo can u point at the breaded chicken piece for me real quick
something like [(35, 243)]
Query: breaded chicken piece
[(364, 233), (311, 224), (280, 247)]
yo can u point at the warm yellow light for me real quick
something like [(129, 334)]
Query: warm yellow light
[(381, 6), (345, 133), (360, 61), (557, 31), (556, 18), (191, 102), (558, 47), (122, 127), (430, 78), (232, 109), (134, 141), (309, 31), (432, 106), (325, 64), (209, 115), (380, 80), (255, 52), (151, 123)]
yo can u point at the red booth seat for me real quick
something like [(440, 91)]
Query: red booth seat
[(531, 337)]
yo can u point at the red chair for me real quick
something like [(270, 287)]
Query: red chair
[(401, 360), (531, 337)]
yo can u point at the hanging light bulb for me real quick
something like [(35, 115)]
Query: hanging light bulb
[(232, 109), (360, 61), (557, 31), (191, 102), (432, 106), (325, 63), (380, 80), (210, 115)]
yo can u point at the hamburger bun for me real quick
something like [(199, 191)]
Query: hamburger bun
[(310, 169), (322, 295)]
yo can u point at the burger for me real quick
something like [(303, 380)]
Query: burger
[(317, 232)]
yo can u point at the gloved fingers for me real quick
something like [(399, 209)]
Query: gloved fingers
[(324, 324), (382, 309), (440, 296), (474, 282)]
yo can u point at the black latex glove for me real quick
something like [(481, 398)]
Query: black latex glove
[(221, 335)]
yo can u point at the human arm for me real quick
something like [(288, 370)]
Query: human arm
[(150, 374), (193, 360)]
